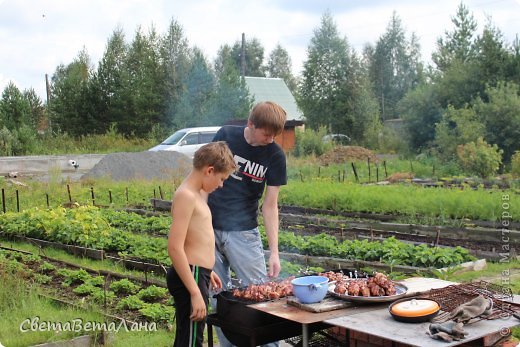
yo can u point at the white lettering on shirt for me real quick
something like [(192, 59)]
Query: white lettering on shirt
[(248, 168)]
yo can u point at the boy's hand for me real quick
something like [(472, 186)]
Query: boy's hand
[(198, 307), (216, 283)]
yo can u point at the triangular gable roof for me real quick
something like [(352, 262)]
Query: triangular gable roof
[(274, 89)]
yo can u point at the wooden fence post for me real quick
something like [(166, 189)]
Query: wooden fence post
[(93, 196), (369, 172), (355, 172), (68, 191)]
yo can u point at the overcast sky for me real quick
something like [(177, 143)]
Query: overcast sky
[(38, 35)]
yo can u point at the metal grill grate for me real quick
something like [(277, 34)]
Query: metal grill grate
[(455, 295)]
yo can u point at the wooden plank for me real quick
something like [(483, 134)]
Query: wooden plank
[(76, 250), (382, 217), (344, 227), (161, 205), (327, 304), (281, 308)]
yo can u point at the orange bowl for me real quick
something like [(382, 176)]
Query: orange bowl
[(414, 310)]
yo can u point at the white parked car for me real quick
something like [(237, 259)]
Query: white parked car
[(188, 140), (338, 139)]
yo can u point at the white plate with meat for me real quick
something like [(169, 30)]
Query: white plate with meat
[(378, 288)]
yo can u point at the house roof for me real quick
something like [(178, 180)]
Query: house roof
[(274, 89)]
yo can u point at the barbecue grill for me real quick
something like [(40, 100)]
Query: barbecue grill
[(246, 326)]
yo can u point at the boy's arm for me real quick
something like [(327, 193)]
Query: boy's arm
[(271, 224), (182, 210)]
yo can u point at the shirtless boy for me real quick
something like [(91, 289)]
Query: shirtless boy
[(191, 242)]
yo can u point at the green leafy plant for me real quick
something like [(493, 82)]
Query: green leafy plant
[(97, 281), (152, 293), (31, 259), (131, 302), (85, 289), (73, 276), (46, 267), (42, 279), (99, 296), (157, 312), (124, 286), (90, 285)]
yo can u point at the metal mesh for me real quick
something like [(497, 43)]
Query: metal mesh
[(455, 295), (318, 339)]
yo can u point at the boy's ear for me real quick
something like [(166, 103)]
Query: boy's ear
[(210, 169)]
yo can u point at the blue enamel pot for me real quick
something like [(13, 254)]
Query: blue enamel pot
[(310, 289)]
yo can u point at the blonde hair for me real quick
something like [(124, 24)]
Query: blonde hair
[(269, 116), (216, 154)]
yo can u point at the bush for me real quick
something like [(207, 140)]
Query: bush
[(480, 158), (7, 142), (310, 142), (515, 164)]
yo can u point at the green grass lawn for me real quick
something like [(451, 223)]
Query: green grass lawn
[(23, 311)]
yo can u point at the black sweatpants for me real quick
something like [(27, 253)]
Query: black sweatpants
[(188, 333)]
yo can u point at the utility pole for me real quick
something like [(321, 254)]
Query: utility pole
[(243, 57), (48, 88)]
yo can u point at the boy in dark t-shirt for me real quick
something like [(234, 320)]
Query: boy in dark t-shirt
[(260, 166)]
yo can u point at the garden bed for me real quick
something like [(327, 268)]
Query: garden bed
[(132, 299)]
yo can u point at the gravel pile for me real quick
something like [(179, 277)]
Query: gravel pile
[(162, 165)]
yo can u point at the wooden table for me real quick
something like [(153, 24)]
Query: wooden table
[(380, 323), (375, 320), (281, 309)]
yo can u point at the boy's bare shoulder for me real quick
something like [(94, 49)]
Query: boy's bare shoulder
[(183, 193)]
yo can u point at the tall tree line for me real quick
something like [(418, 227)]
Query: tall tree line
[(158, 82), (155, 81), (470, 93)]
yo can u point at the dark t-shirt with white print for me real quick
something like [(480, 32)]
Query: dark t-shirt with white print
[(234, 207)]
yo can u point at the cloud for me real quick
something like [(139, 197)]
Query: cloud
[(37, 36)]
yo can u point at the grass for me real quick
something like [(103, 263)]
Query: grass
[(410, 201), (402, 199), (19, 302), (106, 265), (505, 273), (307, 168), (128, 193)]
